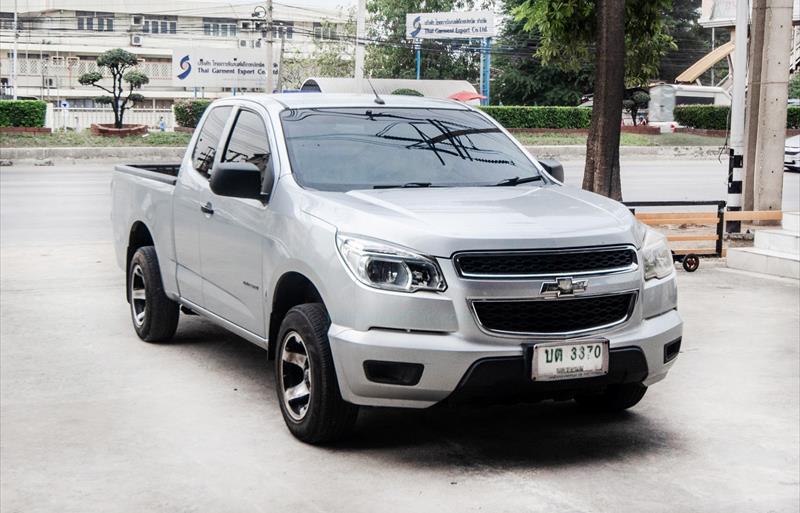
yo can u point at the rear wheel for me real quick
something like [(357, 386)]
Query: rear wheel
[(614, 398), (154, 315), (305, 379)]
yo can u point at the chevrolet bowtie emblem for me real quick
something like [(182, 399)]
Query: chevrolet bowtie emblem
[(563, 287)]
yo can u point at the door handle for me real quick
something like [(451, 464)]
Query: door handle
[(207, 209)]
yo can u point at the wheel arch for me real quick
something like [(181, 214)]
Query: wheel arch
[(292, 288), (138, 237)]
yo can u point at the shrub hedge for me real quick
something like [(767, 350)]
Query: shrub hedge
[(189, 112), (793, 117), (28, 113), (714, 117), (404, 91), (709, 117), (540, 117)]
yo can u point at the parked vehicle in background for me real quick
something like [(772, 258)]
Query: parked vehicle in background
[(396, 251), (791, 153)]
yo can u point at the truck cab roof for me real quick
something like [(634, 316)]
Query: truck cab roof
[(323, 100)]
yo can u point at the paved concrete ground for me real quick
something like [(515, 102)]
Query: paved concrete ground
[(93, 420)]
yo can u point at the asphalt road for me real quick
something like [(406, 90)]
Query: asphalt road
[(94, 420)]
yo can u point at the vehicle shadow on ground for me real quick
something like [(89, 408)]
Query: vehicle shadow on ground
[(546, 434)]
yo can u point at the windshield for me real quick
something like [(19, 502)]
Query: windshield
[(341, 149)]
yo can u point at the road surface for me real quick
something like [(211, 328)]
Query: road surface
[(94, 420)]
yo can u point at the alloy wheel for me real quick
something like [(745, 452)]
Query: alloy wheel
[(295, 376)]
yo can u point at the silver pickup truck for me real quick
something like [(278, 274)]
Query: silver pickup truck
[(395, 251)]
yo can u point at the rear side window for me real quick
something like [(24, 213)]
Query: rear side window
[(206, 147), (248, 141)]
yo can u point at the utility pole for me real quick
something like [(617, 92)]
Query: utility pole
[(14, 59), (773, 104), (755, 58), (735, 160), (270, 56), (713, 47), (280, 65), (361, 22)]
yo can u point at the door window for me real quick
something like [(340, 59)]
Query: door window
[(207, 141), (248, 141)]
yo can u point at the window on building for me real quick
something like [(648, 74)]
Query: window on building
[(97, 21), (324, 31), (160, 25), (220, 27), (283, 29)]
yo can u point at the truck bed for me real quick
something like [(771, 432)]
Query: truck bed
[(166, 173)]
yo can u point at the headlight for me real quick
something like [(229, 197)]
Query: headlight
[(656, 255), (384, 266)]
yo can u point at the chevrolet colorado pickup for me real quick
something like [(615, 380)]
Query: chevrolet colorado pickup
[(398, 252)]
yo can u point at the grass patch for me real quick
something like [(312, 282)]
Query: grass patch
[(85, 138), (625, 140)]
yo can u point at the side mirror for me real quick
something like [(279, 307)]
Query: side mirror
[(237, 180), (554, 168)]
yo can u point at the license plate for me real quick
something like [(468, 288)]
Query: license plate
[(569, 360)]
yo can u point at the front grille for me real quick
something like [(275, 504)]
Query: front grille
[(553, 316), (536, 263)]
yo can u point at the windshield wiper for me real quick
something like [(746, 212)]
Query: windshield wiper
[(515, 180), (408, 185)]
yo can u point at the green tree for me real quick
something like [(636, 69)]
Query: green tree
[(121, 66), (441, 59), (519, 78), (626, 40)]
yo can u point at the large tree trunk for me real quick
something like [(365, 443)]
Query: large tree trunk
[(601, 174)]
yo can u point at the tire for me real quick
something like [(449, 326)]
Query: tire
[(154, 315), (614, 398), (691, 263), (313, 410)]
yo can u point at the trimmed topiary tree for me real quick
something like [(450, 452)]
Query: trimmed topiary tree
[(119, 64), (404, 91)]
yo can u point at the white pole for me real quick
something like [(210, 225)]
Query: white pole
[(735, 162), (360, 33), (14, 59), (270, 56)]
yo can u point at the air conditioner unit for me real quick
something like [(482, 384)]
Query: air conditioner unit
[(243, 43), (257, 43), (137, 20), (136, 39)]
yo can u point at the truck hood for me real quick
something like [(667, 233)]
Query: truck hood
[(442, 221)]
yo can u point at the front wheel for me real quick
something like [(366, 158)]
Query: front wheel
[(154, 315), (614, 398), (305, 378)]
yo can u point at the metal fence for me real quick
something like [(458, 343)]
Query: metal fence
[(80, 119)]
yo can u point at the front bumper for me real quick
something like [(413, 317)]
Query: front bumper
[(450, 361)]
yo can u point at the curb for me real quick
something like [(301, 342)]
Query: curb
[(628, 152), (177, 152), (104, 152)]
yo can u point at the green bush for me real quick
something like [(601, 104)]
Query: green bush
[(29, 113), (403, 91), (715, 117), (709, 117), (189, 112), (540, 117), (793, 117)]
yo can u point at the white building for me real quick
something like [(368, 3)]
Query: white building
[(59, 40)]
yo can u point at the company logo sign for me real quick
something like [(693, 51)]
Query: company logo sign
[(186, 67), (417, 27)]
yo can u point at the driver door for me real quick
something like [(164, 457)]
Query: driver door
[(234, 235)]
